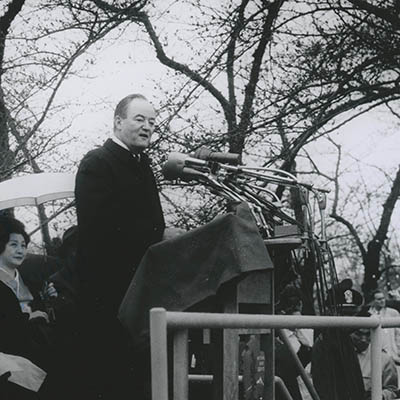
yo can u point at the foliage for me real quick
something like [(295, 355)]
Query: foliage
[(40, 47), (266, 79), (280, 75)]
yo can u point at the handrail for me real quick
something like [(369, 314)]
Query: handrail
[(279, 382), (236, 321), (161, 320), (299, 365)]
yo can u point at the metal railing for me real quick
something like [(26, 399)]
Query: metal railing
[(162, 320)]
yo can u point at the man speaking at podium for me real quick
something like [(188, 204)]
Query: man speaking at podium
[(119, 217)]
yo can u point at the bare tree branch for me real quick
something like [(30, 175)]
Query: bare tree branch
[(378, 11)]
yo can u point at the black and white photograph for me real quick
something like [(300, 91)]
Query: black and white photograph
[(199, 199)]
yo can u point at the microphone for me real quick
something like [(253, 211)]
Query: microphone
[(176, 167), (182, 160), (203, 153)]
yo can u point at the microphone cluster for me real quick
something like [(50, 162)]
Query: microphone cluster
[(224, 174)]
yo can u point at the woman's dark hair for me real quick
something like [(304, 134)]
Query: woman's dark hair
[(9, 225)]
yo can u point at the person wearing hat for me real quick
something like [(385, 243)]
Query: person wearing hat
[(342, 299), (335, 368)]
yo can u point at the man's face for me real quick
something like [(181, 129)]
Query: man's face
[(136, 129), (361, 339), (379, 301)]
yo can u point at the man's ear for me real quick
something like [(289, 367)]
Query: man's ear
[(117, 121)]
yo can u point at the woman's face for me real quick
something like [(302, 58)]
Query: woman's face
[(15, 251)]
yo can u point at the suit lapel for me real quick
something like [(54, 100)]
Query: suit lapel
[(124, 155)]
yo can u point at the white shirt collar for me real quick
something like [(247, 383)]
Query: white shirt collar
[(119, 142)]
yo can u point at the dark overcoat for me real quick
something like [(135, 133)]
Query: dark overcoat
[(19, 335), (119, 217)]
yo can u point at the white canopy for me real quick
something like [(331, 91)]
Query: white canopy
[(36, 189)]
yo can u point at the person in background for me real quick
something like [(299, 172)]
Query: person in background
[(301, 341), (21, 336), (65, 280), (393, 300), (391, 336), (13, 249), (335, 369), (361, 339)]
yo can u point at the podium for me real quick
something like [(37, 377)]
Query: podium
[(254, 294), (225, 263), (251, 295)]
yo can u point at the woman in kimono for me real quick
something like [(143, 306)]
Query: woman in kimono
[(20, 334)]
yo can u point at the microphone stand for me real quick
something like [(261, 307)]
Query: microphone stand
[(236, 183), (247, 184)]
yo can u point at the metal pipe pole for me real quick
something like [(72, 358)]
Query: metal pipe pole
[(237, 321), (376, 363), (279, 382), (299, 365), (391, 322), (181, 365), (159, 358)]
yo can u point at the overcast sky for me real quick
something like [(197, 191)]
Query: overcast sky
[(130, 66)]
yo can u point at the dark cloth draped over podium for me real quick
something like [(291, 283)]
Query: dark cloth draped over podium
[(179, 273)]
